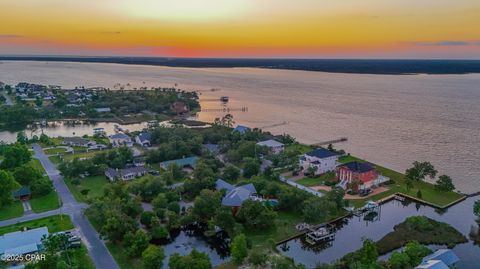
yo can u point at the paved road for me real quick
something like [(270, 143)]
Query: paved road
[(96, 247)]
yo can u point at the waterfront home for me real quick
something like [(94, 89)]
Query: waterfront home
[(235, 196), (188, 163), (120, 139), (358, 176), (143, 139), (321, 160), (273, 146), (78, 142), (432, 264), (442, 258), (241, 129), (126, 173), (103, 110), (99, 131), (180, 108), (22, 242)]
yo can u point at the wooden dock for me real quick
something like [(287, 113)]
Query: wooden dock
[(339, 140)]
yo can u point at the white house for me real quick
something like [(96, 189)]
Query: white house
[(323, 160), (121, 139), (275, 147)]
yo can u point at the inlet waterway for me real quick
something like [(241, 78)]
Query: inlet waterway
[(351, 232)]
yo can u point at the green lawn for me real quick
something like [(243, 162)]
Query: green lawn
[(90, 154), (52, 151), (283, 229), (315, 181), (45, 203), (36, 164), (11, 211), (55, 141), (55, 159), (298, 147), (95, 185), (124, 262), (54, 224), (429, 193)]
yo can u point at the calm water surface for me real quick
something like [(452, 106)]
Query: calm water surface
[(351, 232), (390, 120)]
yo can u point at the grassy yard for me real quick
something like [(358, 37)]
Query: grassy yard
[(54, 224), (90, 154), (315, 181), (429, 193), (55, 159), (298, 147), (36, 164), (45, 203), (94, 185), (122, 259), (11, 211), (283, 229), (52, 151)]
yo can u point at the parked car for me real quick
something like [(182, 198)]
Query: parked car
[(76, 244), (364, 192)]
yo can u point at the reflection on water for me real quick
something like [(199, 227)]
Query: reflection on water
[(351, 231), (65, 129), (192, 237), (389, 120)]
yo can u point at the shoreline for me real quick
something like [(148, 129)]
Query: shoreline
[(335, 66)]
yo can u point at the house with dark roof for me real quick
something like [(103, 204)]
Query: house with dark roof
[(180, 107), (143, 139), (363, 174), (126, 173), (241, 129), (273, 146), (235, 195), (22, 193), (120, 139), (22, 242), (321, 160), (76, 141)]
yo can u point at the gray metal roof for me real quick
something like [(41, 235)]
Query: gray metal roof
[(445, 255), (270, 143), (238, 195), (19, 241)]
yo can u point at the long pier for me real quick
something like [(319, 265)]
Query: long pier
[(225, 109), (339, 140)]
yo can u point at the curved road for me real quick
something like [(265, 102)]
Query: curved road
[(96, 247)]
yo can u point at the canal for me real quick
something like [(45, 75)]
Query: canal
[(351, 231)]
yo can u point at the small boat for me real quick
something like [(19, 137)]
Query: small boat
[(224, 99)]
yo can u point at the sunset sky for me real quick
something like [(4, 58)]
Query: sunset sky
[(243, 28)]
